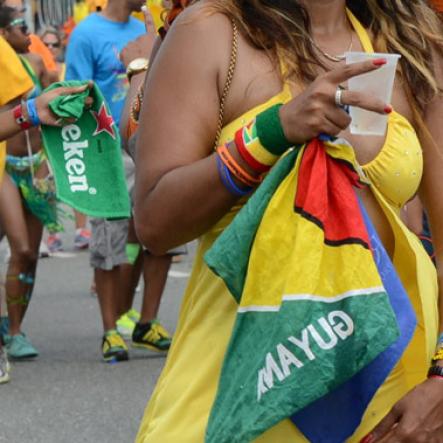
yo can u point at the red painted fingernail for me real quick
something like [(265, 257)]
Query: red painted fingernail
[(379, 62), (367, 439), (388, 109)]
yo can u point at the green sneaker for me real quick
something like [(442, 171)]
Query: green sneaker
[(19, 347), (4, 367), (126, 323), (152, 336), (114, 347), (134, 315)]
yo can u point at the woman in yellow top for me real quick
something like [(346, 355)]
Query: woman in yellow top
[(179, 179)]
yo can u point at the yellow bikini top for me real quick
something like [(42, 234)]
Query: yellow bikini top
[(397, 169)]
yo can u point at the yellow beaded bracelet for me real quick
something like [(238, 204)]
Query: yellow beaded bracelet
[(438, 355)]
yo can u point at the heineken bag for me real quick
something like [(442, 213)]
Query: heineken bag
[(85, 156)]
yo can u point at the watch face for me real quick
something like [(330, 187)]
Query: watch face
[(138, 63)]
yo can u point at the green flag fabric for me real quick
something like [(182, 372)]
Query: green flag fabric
[(313, 311), (86, 155)]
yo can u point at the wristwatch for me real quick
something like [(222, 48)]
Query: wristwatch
[(137, 66)]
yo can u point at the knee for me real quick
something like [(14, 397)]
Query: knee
[(23, 257)]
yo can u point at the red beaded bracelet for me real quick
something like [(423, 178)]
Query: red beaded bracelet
[(20, 118), (435, 372)]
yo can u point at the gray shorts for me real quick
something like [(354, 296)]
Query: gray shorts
[(130, 175), (108, 243)]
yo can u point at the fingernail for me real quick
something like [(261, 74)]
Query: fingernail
[(367, 439), (379, 62), (388, 110)]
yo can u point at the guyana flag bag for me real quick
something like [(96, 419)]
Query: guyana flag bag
[(322, 315), (86, 156)]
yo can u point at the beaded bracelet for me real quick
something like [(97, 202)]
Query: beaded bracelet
[(435, 372), (438, 356)]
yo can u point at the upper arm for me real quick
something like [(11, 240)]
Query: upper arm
[(79, 59), (40, 69), (178, 122), (431, 191)]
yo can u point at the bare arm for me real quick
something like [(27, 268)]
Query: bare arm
[(8, 125), (179, 194), (40, 69), (177, 181)]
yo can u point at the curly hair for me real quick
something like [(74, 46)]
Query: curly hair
[(408, 27)]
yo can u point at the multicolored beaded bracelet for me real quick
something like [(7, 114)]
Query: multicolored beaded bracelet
[(261, 142)]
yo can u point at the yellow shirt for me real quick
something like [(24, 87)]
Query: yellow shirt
[(14, 83)]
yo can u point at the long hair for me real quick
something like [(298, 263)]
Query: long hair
[(176, 9), (408, 27)]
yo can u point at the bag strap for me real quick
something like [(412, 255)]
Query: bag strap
[(228, 83)]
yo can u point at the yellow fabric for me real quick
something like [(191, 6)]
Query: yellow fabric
[(15, 82), (181, 403), (398, 168)]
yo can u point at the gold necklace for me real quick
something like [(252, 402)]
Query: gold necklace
[(334, 58)]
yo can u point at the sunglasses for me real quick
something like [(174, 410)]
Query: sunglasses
[(21, 24), (52, 45)]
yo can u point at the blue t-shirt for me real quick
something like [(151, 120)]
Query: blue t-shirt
[(93, 54)]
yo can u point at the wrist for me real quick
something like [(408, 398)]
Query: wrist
[(21, 116), (270, 130), (137, 66), (31, 108)]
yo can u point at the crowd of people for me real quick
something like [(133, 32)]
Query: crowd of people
[(95, 52), (313, 311)]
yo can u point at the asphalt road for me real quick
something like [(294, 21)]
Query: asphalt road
[(67, 395)]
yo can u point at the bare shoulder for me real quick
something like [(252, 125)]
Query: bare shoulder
[(36, 61), (203, 35)]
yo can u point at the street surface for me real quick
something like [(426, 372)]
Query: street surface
[(67, 395)]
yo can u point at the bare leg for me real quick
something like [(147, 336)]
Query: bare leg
[(23, 259), (80, 220), (155, 273), (35, 232), (108, 285), (130, 274)]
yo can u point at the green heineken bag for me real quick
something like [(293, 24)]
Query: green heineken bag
[(86, 155)]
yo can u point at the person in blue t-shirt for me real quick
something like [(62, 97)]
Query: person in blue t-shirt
[(93, 53), (94, 50)]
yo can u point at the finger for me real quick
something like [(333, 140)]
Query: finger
[(382, 430), (89, 101), (149, 22), (346, 72), (338, 117), (365, 101), (72, 90)]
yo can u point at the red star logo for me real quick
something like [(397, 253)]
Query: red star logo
[(105, 122)]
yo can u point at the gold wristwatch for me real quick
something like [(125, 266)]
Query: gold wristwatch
[(137, 66)]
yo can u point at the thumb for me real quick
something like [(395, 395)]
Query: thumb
[(384, 427)]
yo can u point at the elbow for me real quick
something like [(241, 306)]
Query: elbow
[(151, 236)]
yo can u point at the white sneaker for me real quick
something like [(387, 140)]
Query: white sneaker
[(43, 250), (4, 366)]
